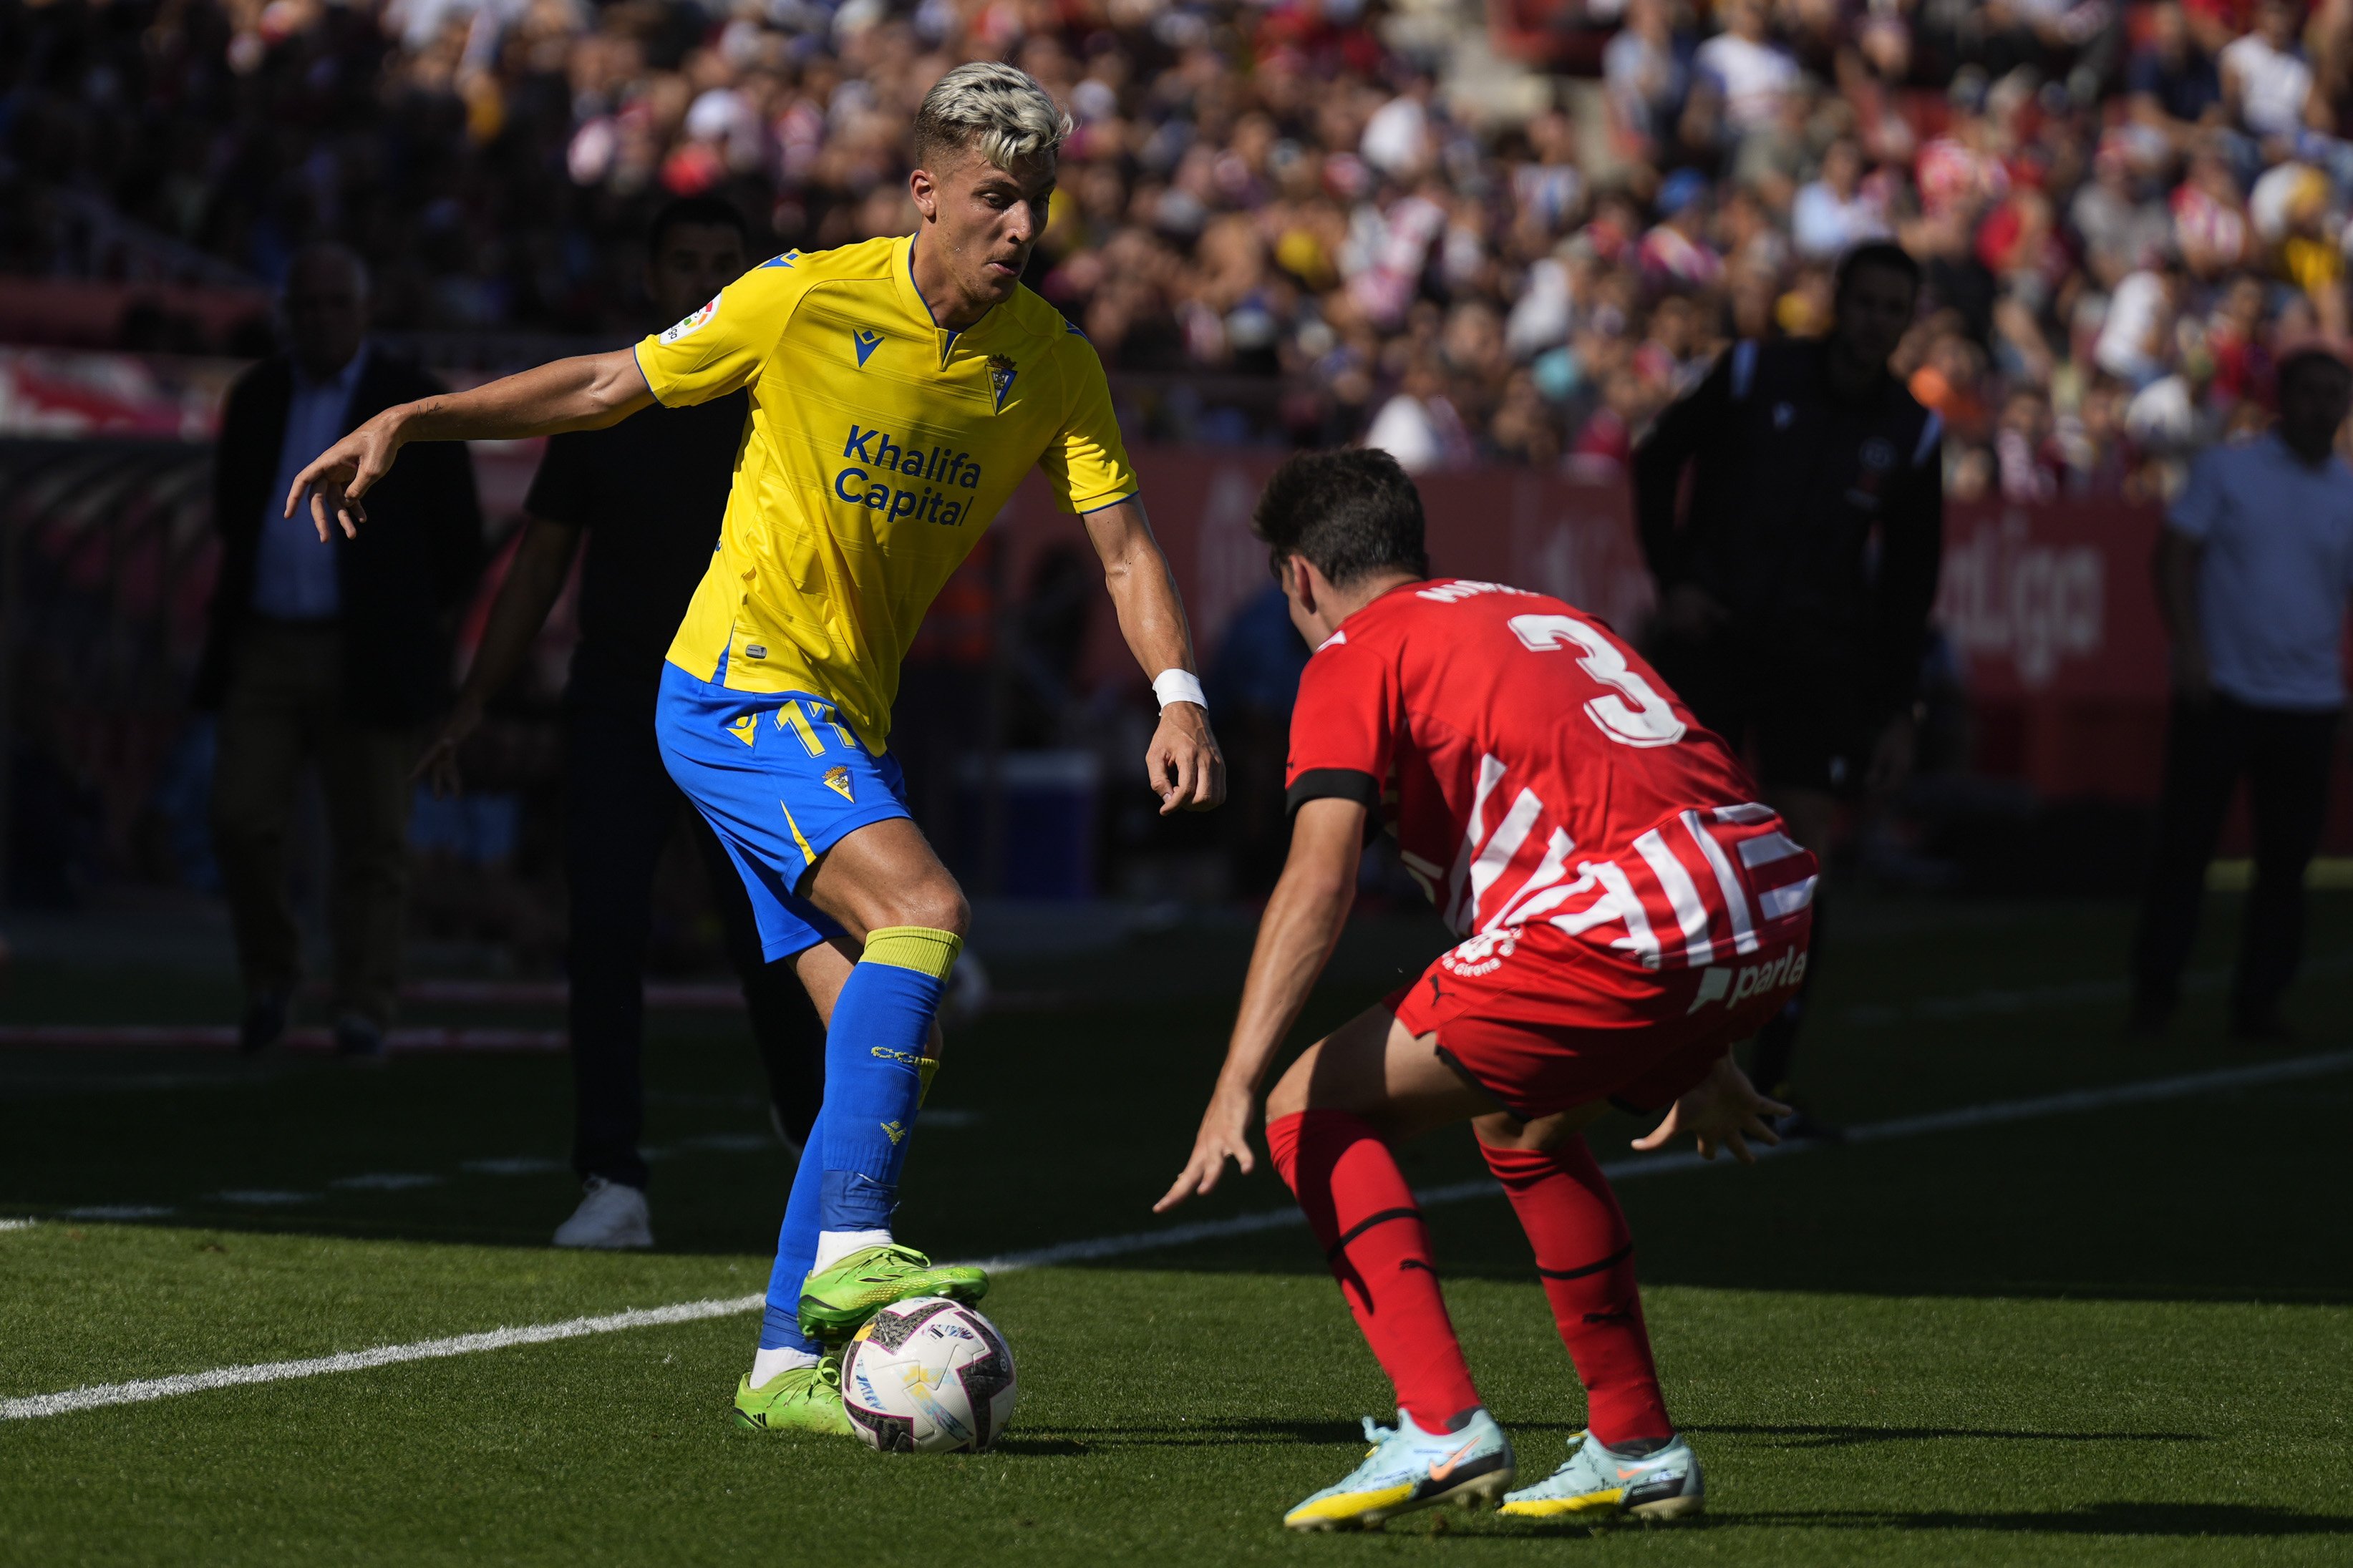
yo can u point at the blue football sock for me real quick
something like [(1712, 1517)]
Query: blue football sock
[(795, 1255), (875, 1070)]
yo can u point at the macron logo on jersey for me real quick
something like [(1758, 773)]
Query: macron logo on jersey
[(865, 340)]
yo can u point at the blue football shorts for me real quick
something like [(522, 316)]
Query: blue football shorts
[(781, 779)]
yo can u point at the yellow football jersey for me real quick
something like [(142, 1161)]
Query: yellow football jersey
[(880, 446)]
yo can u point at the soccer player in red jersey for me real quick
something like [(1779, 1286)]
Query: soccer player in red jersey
[(1628, 912)]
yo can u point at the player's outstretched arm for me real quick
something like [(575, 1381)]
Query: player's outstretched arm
[(586, 393), (1295, 939), (1724, 1108), (1183, 765)]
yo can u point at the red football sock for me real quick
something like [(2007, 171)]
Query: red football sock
[(1362, 1213), (1586, 1258)]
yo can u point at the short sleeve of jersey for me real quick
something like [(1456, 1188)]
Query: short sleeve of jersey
[(1087, 463), (564, 489), (1344, 727), (720, 348), (2197, 508)]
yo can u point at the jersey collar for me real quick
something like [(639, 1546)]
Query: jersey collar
[(911, 295)]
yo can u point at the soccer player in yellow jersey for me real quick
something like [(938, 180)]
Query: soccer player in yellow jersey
[(900, 389)]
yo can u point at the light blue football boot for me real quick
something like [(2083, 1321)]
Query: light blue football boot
[(1599, 1480), (1410, 1468)]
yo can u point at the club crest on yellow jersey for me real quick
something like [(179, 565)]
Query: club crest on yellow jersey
[(1001, 372)]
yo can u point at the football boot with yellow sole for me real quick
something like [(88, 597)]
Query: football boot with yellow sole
[(1598, 1481), (1409, 1469)]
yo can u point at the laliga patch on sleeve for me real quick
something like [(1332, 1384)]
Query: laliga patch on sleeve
[(693, 322)]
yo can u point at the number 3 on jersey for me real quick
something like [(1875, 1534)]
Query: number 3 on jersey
[(1650, 720)]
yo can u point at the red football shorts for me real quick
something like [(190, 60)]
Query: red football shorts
[(1543, 1020)]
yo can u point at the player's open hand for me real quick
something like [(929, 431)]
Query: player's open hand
[(1725, 1110), (1183, 765), (337, 478), (1224, 1135)]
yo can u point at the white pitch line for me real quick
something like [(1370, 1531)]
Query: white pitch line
[(106, 1394), (70, 1401)]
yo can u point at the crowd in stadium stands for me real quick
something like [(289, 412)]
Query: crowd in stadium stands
[(2128, 212)]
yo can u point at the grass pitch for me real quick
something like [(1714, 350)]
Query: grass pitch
[(2117, 1336)]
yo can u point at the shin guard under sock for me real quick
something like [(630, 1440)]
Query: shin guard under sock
[(875, 1072), (1585, 1258), (1362, 1212)]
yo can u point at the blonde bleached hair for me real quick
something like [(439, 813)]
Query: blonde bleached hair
[(999, 111)]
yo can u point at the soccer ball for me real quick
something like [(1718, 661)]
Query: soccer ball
[(928, 1376)]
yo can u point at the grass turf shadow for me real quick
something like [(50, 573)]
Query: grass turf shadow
[(1806, 1437), (2172, 1520)]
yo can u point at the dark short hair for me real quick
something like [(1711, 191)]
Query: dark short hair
[(707, 211), (1351, 513), (2301, 362), (1884, 254)]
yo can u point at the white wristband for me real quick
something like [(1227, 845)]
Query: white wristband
[(1179, 685)]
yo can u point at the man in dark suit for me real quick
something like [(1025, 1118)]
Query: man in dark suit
[(331, 653)]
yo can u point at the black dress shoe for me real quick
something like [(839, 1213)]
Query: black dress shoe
[(263, 1025)]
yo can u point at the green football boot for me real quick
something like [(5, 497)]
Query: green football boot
[(836, 1301), (806, 1399)]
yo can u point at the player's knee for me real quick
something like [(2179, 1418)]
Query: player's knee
[(936, 904)]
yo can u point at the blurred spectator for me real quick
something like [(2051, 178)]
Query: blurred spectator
[(2124, 227), (1648, 75), (1834, 214), (2029, 470), (330, 651), (2175, 90), (2266, 83), (2136, 335), (1419, 427), (2253, 570), (1743, 75)]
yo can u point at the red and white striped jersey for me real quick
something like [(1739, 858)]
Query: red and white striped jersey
[(1535, 768)]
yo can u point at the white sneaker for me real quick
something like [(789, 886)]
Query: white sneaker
[(611, 1217)]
